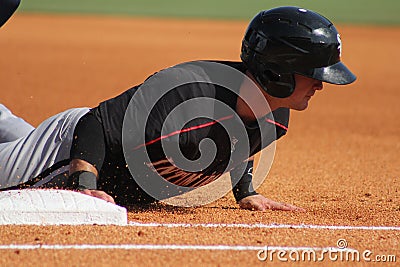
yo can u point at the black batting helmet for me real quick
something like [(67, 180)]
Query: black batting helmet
[(286, 40), (7, 8)]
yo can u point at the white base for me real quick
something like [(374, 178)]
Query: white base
[(57, 207)]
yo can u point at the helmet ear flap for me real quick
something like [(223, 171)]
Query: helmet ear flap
[(277, 84), (272, 78)]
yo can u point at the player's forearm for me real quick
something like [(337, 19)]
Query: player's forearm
[(87, 153), (88, 143), (81, 165), (82, 175), (244, 187)]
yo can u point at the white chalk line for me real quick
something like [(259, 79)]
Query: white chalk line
[(165, 247), (265, 226), (204, 247)]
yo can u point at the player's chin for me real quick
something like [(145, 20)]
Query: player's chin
[(300, 106)]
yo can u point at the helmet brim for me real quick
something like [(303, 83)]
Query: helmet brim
[(8, 8), (335, 74)]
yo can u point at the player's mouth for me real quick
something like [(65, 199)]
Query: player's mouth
[(310, 94)]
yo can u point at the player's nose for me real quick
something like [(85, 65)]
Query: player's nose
[(318, 85)]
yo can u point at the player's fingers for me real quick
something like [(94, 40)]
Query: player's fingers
[(294, 208), (86, 192), (279, 206), (99, 194), (288, 207), (104, 196), (261, 207), (300, 209)]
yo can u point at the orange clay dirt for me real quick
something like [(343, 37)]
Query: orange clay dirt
[(340, 159)]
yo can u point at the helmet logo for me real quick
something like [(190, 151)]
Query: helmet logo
[(340, 45)]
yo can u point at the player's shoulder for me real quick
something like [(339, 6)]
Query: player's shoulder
[(281, 114), (238, 65), (281, 118)]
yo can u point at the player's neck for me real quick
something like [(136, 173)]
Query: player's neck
[(256, 105)]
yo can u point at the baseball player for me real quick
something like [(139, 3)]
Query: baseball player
[(288, 52), (11, 126)]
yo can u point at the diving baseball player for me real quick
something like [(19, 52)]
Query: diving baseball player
[(288, 52)]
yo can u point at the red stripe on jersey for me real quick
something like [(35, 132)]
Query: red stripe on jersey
[(277, 124), (184, 131)]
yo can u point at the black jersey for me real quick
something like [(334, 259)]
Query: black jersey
[(114, 176)]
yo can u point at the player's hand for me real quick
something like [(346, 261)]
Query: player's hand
[(99, 194), (261, 203)]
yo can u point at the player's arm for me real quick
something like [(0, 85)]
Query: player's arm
[(87, 156), (247, 197), (243, 174)]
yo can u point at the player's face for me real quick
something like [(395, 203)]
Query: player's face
[(305, 89)]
